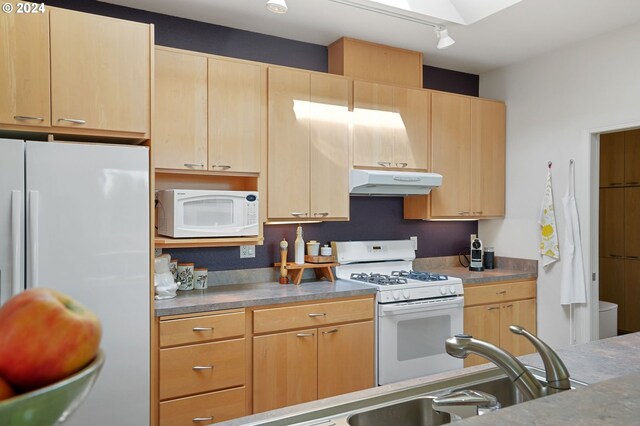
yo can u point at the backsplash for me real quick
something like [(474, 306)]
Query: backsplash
[(372, 218)]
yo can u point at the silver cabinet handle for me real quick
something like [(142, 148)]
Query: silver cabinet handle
[(202, 328), (321, 214), (305, 334), (222, 166), (73, 120), (403, 165), (493, 308), (509, 305), (318, 315), (335, 330), (501, 292), (297, 214), (384, 163), (480, 212), (192, 165), (202, 367), (202, 419), (463, 212), (27, 117)]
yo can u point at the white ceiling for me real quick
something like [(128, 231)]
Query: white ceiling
[(524, 30)]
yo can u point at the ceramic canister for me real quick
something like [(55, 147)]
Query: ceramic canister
[(200, 278), (173, 267), (185, 276)]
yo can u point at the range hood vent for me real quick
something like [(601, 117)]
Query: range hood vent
[(392, 183)]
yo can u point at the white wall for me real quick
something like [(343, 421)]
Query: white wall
[(554, 102)]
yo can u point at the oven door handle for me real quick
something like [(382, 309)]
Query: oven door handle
[(397, 308)]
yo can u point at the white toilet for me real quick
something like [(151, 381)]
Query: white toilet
[(608, 317)]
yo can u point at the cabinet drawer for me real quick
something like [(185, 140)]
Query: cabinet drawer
[(495, 293), (203, 409), (179, 377), (317, 314), (201, 329)]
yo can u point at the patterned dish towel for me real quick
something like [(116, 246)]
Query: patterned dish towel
[(548, 235)]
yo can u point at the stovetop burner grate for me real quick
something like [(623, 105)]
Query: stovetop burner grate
[(380, 279), (420, 276)]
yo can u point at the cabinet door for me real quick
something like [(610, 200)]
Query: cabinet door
[(411, 139), (612, 286), (237, 115), (329, 147), (451, 153), (631, 157), (374, 124), (345, 358), (482, 322), (612, 226), (488, 127), (284, 369), (180, 120), (289, 109), (522, 313), (632, 294), (612, 159), (100, 72), (632, 223), (24, 69)]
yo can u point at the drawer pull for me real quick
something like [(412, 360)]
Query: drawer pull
[(402, 165), (335, 330), (202, 419), (299, 214), (632, 183), (384, 163), (193, 165), (463, 212), (27, 117), (73, 120), (478, 212), (492, 308), (305, 334), (632, 257), (317, 315), (501, 292), (508, 306), (202, 367), (202, 328)]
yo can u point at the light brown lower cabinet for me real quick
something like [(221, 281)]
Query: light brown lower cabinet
[(491, 308)]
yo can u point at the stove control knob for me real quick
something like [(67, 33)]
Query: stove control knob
[(396, 295), (443, 290), (406, 294), (452, 289)]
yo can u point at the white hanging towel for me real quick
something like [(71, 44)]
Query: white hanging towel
[(548, 235), (572, 285)]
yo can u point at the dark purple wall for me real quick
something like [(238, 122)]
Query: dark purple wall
[(372, 218)]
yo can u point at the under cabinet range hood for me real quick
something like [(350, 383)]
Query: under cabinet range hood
[(392, 183)]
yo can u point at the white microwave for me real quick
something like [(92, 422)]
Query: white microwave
[(184, 213)]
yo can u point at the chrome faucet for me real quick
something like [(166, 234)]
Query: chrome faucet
[(557, 376)]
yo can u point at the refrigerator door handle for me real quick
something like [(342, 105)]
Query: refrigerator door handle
[(16, 215), (33, 238)]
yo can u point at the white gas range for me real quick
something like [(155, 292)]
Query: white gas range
[(417, 311)]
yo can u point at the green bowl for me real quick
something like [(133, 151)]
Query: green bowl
[(51, 404)]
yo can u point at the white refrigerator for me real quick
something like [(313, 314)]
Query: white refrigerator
[(75, 217)]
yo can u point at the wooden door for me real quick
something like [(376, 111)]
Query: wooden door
[(237, 115), (24, 69), (345, 358), (289, 111), (411, 140), (488, 144), (632, 157), (100, 73), (373, 124), (631, 295), (522, 313), (612, 223), (631, 223), (180, 117), (284, 369), (329, 147), (612, 286), (612, 159), (451, 154), (482, 322)]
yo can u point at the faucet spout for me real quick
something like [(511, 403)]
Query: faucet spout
[(461, 345)]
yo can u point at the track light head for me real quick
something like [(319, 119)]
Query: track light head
[(277, 6), (444, 40)]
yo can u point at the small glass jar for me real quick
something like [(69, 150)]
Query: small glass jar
[(489, 258)]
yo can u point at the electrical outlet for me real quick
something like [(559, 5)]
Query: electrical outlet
[(158, 252), (247, 251), (414, 240)]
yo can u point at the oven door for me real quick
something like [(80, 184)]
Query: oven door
[(411, 340)]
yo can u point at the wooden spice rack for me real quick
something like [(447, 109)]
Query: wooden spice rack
[(322, 270)]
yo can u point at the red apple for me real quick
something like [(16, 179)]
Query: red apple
[(6, 391), (45, 336)]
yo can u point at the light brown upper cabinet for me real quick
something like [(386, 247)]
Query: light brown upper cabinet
[(468, 150), (210, 112), (390, 126), (100, 73), (308, 147), (24, 69), (75, 73)]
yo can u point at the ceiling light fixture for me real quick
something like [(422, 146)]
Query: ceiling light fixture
[(277, 6), (444, 39)]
